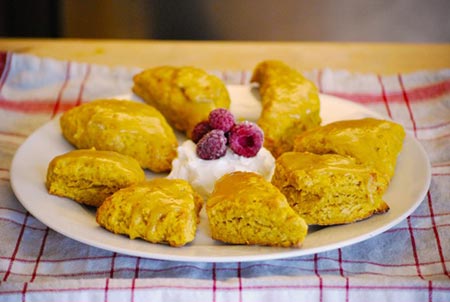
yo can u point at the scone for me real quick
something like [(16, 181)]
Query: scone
[(159, 211), (370, 141), (244, 208), (89, 176), (329, 189), (290, 105), (185, 95), (131, 128)]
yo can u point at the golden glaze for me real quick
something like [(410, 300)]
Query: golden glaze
[(244, 208), (329, 189), (89, 176), (159, 211), (290, 105), (127, 127), (370, 141), (184, 95)]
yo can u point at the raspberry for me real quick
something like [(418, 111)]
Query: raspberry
[(246, 139), (221, 119), (200, 130), (212, 145)]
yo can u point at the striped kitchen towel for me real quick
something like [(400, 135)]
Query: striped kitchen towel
[(408, 262)]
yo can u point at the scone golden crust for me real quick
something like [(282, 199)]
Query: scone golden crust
[(131, 128), (89, 176), (370, 141), (329, 189), (244, 208), (290, 105), (185, 95), (159, 211)]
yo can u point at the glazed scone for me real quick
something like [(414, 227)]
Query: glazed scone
[(89, 176), (290, 105), (185, 95), (159, 211), (244, 208), (329, 189), (370, 141), (131, 128)]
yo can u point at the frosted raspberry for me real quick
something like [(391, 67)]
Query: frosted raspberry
[(221, 119), (212, 145), (200, 130), (246, 139)]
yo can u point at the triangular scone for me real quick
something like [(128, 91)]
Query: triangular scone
[(127, 127), (88, 176), (184, 95), (290, 104), (370, 141), (159, 211), (244, 208), (329, 189)]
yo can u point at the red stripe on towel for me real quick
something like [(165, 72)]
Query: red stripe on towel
[(408, 104), (34, 106), (436, 235), (418, 94), (16, 248), (83, 84), (214, 280), (6, 66), (61, 91), (240, 281), (383, 95), (106, 290), (41, 252), (414, 248), (3, 56), (316, 271), (24, 291)]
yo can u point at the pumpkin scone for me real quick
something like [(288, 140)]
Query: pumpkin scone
[(329, 189), (131, 128), (159, 211), (89, 176), (184, 95), (244, 208), (290, 104), (370, 141)]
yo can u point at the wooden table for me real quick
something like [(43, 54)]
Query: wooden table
[(383, 58)]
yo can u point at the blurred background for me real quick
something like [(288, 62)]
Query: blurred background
[(268, 20)]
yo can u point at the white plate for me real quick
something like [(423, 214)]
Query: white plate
[(29, 166)]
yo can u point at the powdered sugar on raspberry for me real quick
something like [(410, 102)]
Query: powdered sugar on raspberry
[(246, 139), (222, 119), (212, 145)]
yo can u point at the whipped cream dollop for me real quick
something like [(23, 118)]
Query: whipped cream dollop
[(202, 174)]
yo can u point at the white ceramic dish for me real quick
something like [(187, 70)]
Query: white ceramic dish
[(29, 166)]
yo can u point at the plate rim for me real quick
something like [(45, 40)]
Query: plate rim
[(284, 252)]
